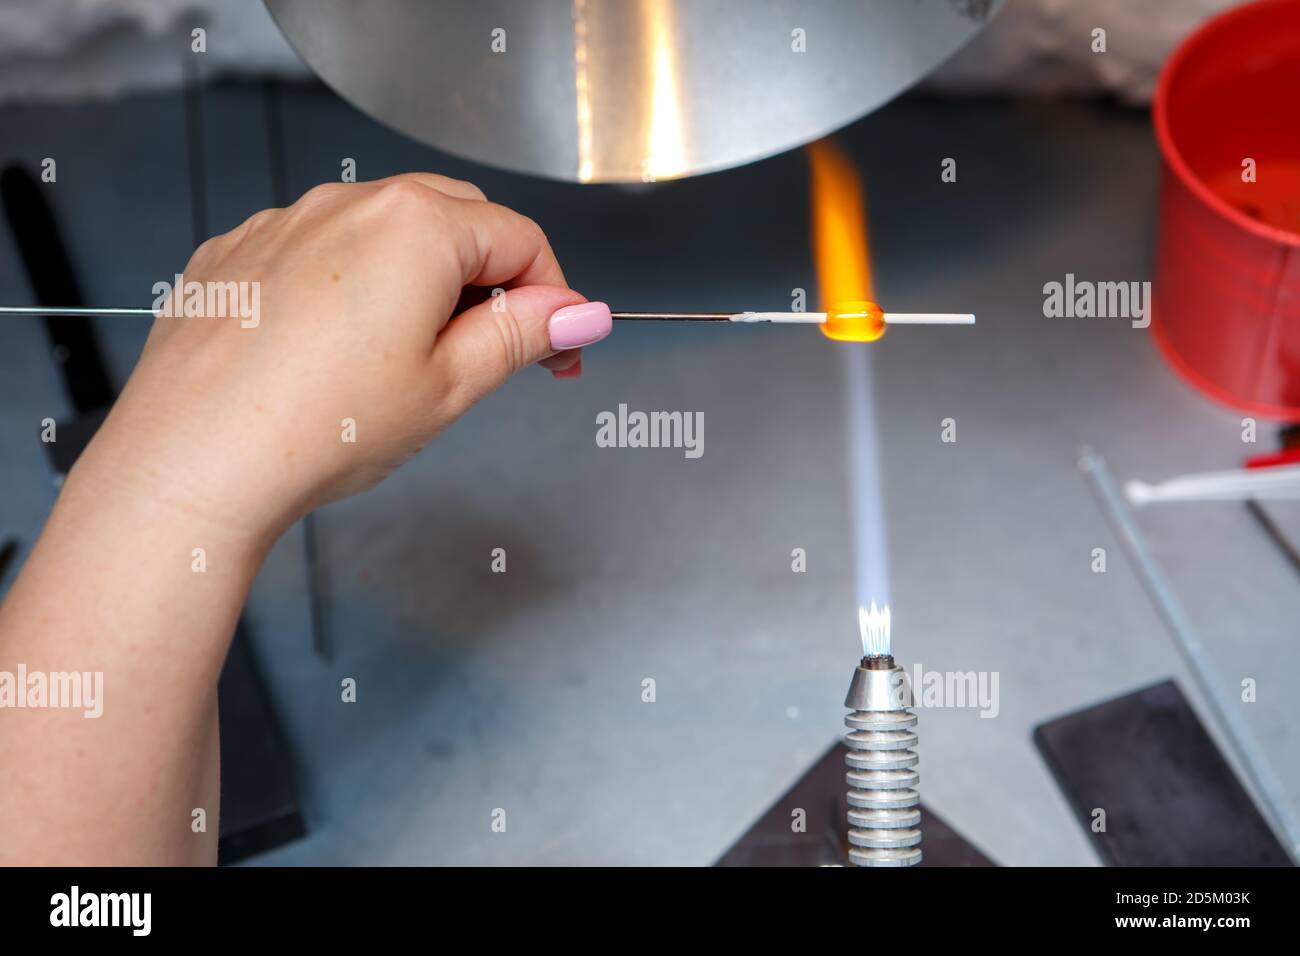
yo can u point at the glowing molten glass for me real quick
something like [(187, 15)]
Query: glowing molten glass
[(854, 322), (840, 248)]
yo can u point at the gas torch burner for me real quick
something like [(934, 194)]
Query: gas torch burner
[(884, 805)]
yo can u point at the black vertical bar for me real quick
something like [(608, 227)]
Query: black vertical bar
[(194, 150), (49, 269)]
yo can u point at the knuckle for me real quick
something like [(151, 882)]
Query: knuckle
[(408, 193), (209, 249), (319, 193), (260, 218), (467, 187), (410, 203), (520, 227), (531, 228), (537, 237), (220, 245), (255, 222)]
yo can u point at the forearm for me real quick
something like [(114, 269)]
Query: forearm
[(376, 331), (115, 586)]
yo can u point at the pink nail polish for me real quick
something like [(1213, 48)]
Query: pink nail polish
[(577, 325)]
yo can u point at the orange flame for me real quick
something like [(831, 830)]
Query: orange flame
[(841, 250)]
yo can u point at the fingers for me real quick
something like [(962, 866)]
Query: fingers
[(483, 346), (458, 188), (499, 259), (570, 360), (508, 249), (573, 371), (505, 249)]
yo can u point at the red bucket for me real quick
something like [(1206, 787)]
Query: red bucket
[(1226, 309)]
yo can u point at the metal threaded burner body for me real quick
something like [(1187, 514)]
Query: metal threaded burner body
[(884, 805)]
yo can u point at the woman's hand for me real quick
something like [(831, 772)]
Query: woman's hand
[(376, 326)]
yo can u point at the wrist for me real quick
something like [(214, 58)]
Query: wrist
[(170, 520), (172, 483)]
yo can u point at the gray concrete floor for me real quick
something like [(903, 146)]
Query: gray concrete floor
[(523, 691)]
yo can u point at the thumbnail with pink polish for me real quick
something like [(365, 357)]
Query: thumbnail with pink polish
[(577, 325)]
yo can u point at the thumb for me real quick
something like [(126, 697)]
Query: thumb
[(484, 345)]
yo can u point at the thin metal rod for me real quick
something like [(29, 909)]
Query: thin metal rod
[(1289, 550), (890, 318), (676, 316), (1278, 481), (1188, 643), (811, 318), (67, 310)]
